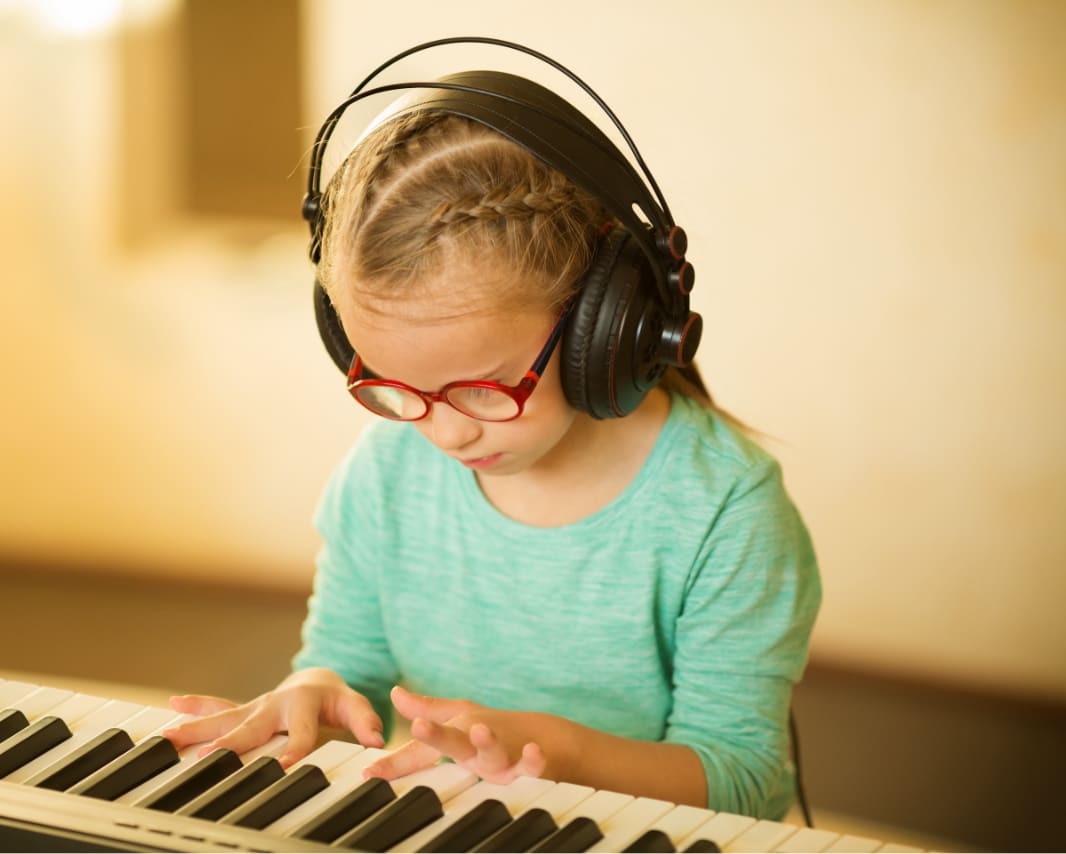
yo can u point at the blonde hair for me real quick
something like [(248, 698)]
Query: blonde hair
[(429, 189)]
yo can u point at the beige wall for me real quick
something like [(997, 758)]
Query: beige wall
[(874, 192)]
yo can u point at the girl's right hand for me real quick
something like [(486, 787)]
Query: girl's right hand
[(298, 705)]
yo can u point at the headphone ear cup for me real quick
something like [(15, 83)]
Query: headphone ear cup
[(609, 347), (581, 326), (331, 331)]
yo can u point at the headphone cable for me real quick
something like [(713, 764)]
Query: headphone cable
[(801, 794)]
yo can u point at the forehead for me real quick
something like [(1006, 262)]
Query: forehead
[(463, 283), (431, 353)]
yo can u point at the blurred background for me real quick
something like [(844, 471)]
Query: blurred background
[(875, 196)]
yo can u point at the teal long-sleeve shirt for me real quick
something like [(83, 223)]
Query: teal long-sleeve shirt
[(680, 612)]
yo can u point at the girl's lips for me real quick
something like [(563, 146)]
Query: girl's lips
[(482, 462)]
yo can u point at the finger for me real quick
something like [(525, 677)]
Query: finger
[(356, 715), (254, 731), (413, 756), (439, 709), (302, 726), (533, 762), (200, 704), (491, 756), (446, 740), (205, 728)]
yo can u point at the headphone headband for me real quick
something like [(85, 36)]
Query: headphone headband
[(552, 129)]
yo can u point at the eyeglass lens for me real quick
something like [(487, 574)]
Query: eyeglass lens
[(406, 405)]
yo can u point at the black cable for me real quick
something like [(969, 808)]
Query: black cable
[(801, 795)]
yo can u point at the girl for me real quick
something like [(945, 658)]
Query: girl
[(622, 603)]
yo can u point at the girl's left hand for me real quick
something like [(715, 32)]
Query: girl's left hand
[(496, 745)]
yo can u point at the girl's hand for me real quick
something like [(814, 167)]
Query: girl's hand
[(299, 704), (496, 745)]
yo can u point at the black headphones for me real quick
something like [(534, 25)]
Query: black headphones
[(631, 318)]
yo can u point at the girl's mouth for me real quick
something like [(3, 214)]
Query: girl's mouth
[(482, 462)]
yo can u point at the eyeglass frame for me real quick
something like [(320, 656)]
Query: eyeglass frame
[(519, 393)]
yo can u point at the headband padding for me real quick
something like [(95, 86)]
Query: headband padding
[(583, 339)]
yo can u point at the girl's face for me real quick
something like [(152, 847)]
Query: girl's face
[(429, 353)]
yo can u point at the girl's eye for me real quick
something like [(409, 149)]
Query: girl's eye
[(478, 393)]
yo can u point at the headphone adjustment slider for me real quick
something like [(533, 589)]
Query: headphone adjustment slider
[(683, 278), (674, 243)]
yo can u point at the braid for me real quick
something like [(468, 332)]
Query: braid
[(426, 189), (519, 202)]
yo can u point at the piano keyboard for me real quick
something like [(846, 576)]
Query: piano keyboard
[(86, 773)]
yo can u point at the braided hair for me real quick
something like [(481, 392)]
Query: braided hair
[(428, 189)]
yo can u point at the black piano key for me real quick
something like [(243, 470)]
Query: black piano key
[(278, 798), (30, 742), (390, 826), (83, 761), (704, 845), (11, 721), (344, 814), (147, 759), (652, 841), (475, 826), (229, 794), (577, 835), (192, 782), (521, 834)]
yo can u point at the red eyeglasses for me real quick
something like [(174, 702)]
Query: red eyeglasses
[(481, 399)]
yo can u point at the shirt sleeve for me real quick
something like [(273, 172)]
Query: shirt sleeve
[(741, 644), (343, 629)]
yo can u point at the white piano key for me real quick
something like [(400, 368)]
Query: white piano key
[(630, 822), (87, 726), (150, 720), (41, 701), (899, 848), (113, 713), (808, 839), (460, 805), (721, 829), (343, 779), (520, 794), (561, 799), (330, 755), (763, 836), (163, 777), (77, 706), (515, 796), (599, 806), (188, 756), (856, 844), (274, 747), (682, 820), (11, 692), (446, 779)]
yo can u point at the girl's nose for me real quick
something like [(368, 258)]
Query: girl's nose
[(449, 429)]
